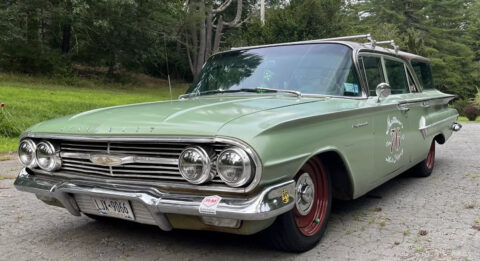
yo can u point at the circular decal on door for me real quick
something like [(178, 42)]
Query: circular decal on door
[(395, 139)]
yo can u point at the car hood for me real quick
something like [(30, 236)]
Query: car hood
[(201, 116)]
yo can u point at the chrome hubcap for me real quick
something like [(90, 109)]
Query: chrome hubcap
[(304, 194)]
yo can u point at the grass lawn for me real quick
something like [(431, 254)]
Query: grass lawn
[(464, 119), (29, 100)]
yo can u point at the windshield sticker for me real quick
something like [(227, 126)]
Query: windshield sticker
[(395, 139), (209, 205), (351, 87)]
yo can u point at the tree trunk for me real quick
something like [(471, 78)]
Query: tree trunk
[(67, 35), (218, 35), (202, 44), (200, 33)]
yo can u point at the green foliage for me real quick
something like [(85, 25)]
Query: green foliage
[(300, 20), (54, 37), (49, 36)]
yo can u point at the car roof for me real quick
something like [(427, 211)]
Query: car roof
[(359, 47)]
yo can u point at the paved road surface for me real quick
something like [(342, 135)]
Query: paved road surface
[(385, 225)]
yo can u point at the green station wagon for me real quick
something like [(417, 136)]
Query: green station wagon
[(263, 140)]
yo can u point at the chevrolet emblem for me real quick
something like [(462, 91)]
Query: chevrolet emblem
[(106, 160)]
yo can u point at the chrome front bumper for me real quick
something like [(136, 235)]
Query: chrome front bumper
[(266, 204)]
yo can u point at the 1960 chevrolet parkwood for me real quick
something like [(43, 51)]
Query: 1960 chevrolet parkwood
[(263, 140)]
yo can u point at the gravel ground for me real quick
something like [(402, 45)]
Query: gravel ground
[(405, 219)]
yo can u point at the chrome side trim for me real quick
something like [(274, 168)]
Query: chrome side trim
[(424, 129), (162, 139), (359, 125), (267, 203), (427, 102)]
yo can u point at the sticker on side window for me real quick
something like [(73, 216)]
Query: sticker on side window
[(351, 88)]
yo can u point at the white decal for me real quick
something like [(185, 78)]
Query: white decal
[(395, 139), (209, 205)]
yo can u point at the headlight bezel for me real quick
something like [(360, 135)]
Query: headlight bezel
[(56, 161), (206, 175), (33, 163), (248, 170)]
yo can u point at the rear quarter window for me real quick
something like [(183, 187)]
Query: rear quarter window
[(424, 74)]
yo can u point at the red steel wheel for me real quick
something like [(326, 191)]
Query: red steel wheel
[(425, 167), (302, 228), (431, 156), (312, 198)]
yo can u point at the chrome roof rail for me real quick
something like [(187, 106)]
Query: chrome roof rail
[(372, 42), (351, 37)]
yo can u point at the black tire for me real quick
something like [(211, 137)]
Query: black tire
[(285, 235), (425, 167)]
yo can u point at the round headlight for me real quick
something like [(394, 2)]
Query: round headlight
[(234, 167), (26, 153), (47, 158), (194, 165)]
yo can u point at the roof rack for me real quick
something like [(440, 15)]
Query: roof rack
[(373, 43)]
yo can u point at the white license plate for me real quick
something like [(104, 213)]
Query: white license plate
[(114, 208)]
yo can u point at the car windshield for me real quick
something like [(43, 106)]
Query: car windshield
[(324, 69)]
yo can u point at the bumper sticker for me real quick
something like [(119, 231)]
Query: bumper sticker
[(209, 205)]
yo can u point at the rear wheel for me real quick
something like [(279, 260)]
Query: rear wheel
[(302, 228), (425, 168)]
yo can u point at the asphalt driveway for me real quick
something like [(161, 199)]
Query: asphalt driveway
[(435, 218)]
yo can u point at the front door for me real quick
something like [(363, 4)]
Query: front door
[(391, 125)]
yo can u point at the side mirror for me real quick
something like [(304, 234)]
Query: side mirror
[(383, 90)]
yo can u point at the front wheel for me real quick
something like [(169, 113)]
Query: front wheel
[(425, 168), (301, 229)]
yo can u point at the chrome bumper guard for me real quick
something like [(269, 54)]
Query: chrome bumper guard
[(270, 202)]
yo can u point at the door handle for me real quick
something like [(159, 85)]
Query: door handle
[(425, 104), (403, 108)]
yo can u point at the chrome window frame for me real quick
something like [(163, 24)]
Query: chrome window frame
[(407, 69), (165, 139)]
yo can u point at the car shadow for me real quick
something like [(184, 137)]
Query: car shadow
[(153, 239)]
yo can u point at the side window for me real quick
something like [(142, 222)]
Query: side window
[(396, 76), (372, 67), (424, 74)]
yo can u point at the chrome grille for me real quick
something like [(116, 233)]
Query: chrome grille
[(157, 161)]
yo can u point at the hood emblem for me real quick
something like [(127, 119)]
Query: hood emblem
[(106, 160)]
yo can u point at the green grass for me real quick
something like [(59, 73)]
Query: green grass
[(464, 119), (29, 100)]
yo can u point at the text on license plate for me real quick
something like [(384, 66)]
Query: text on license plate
[(114, 208)]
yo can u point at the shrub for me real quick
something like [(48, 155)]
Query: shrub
[(471, 112), (459, 105)]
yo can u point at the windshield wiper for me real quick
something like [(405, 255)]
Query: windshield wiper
[(297, 93), (256, 90)]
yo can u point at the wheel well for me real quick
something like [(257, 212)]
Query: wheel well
[(341, 184), (440, 139)]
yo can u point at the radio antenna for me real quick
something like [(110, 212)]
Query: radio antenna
[(168, 70)]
